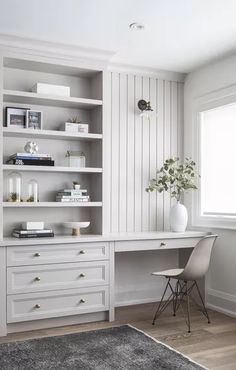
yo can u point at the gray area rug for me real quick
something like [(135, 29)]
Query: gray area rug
[(122, 348)]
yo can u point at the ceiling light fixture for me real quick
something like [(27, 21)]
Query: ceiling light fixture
[(136, 26)]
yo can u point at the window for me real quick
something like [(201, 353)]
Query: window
[(215, 203)]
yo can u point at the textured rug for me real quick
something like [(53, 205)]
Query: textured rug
[(121, 348)]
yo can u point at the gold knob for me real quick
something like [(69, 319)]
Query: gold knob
[(82, 274), (37, 278), (82, 300), (37, 305), (162, 244), (37, 254), (82, 251)]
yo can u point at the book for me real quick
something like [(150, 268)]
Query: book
[(72, 196), (25, 236), (43, 231), (31, 162), (73, 191), (71, 200), (29, 155)]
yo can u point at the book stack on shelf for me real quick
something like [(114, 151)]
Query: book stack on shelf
[(72, 195), (32, 230), (36, 159)]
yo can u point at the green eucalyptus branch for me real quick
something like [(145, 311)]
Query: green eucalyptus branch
[(174, 177)]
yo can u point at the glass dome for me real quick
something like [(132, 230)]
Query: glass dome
[(14, 187), (33, 191)]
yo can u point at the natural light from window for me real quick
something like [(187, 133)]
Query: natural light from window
[(218, 161)]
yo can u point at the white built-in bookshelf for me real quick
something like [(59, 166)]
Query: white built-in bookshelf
[(18, 76)]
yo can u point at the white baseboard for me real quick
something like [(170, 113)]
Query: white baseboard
[(221, 302), (137, 301)]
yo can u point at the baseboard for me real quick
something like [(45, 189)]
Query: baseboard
[(221, 302), (137, 301)]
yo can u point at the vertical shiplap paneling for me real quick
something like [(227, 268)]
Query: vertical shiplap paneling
[(131, 114), (115, 152), (145, 160), (152, 154), (138, 158), (139, 146), (123, 152), (180, 123)]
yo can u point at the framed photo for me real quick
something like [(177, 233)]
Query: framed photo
[(34, 119), (16, 117)]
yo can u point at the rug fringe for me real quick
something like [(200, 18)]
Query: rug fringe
[(166, 345)]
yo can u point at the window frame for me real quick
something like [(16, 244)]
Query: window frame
[(207, 102)]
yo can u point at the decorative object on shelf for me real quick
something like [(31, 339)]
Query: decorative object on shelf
[(75, 159), (14, 186), (76, 185), (33, 225), (74, 125), (76, 226), (50, 89), (16, 117), (145, 107), (34, 119), (31, 147), (35, 159), (72, 195), (33, 191), (36, 233), (176, 178)]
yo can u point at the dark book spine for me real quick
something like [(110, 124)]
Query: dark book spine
[(25, 236), (32, 162)]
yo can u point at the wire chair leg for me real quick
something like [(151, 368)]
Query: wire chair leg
[(205, 312), (175, 298), (161, 307), (188, 308)]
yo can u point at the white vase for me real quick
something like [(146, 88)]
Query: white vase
[(178, 218)]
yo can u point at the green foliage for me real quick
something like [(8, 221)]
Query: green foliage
[(174, 177)]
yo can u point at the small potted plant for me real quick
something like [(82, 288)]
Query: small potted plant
[(74, 124), (175, 178)]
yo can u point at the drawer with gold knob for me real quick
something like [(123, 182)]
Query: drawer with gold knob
[(34, 306), (27, 279)]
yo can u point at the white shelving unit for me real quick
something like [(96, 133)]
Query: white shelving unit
[(86, 101)]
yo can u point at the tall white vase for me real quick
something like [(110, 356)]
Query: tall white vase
[(178, 218)]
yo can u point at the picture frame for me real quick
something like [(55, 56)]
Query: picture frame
[(34, 120), (16, 117)]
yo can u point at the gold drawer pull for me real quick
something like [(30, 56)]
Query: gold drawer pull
[(37, 305), (37, 254), (82, 274), (162, 244), (37, 278), (82, 300), (82, 251)]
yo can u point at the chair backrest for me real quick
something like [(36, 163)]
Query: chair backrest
[(199, 259)]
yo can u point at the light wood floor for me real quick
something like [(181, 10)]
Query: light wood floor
[(212, 345)]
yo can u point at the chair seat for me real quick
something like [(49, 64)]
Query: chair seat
[(168, 273)]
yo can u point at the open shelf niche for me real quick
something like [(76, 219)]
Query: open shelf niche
[(86, 102)]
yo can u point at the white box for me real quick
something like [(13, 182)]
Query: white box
[(33, 225), (42, 88), (75, 127)]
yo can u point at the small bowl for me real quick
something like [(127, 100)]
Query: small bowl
[(76, 226)]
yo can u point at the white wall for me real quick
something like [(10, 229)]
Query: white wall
[(221, 286), (137, 148)]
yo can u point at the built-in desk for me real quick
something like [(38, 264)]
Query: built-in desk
[(68, 280)]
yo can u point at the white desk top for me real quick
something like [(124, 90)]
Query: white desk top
[(63, 239)]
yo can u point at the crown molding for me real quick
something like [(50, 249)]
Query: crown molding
[(147, 71), (12, 43)]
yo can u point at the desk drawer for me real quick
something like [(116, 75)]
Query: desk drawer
[(59, 276), (142, 245), (27, 307), (60, 253)]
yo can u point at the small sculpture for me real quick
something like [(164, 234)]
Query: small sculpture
[(31, 147)]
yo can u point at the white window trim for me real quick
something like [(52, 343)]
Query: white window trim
[(206, 102)]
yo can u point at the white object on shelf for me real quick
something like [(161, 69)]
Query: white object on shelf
[(49, 89), (178, 218), (33, 225), (75, 159), (75, 127), (76, 226)]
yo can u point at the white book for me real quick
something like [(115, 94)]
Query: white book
[(50, 89)]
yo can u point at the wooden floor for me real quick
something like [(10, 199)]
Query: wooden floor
[(212, 345)]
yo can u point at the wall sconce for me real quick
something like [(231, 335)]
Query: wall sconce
[(145, 107)]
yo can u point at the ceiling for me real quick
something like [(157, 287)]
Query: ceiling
[(179, 35)]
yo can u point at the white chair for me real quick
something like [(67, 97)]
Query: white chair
[(194, 270)]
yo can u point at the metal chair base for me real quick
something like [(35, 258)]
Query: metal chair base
[(181, 291)]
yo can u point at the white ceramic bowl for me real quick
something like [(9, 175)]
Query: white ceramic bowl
[(76, 225)]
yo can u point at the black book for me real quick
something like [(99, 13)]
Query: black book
[(32, 162), (26, 236)]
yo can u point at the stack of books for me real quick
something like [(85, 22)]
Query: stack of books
[(28, 159), (72, 195), (38, 233)]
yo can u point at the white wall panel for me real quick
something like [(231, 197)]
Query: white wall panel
[(139, 146)]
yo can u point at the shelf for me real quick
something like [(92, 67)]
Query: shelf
[(50, 204), (15, 96), (13, 167), (49, 134)]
